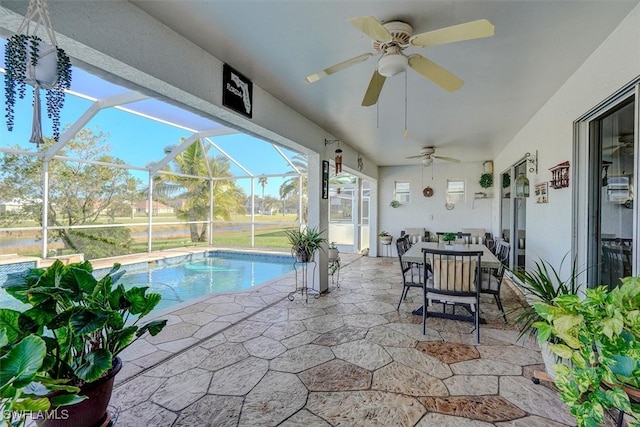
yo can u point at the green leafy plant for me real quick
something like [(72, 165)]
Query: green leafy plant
[(305, 242), (85, 322), (506, 180), (600, 335), (542, 284), (19, 48), (486, 180), (394, 204), (449, 237), (384, 234), (23, 390)]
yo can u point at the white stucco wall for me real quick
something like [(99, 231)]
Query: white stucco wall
[(430, 212), (550, 131)]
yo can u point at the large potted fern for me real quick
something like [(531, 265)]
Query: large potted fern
[(85, 323), (305, 242)]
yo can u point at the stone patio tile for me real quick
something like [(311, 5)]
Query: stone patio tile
[(193, 308), (303, 338), (434, 419), (336, 375), (271, 315), (305, 313), (146, 414), (535, 399), (482, 408), (415, 331), (278, 396), (304, 418), (265, 348), (173, 333), (138, 349), (246, 300), (341, 335), (301, 358), (472, 385), (283, 330), (198, 318), (135, 391), (341, 309), (223, 309), (181, 363), (531, 421), (366, 354), (365, 408), (183, 389), (324, 324), (485, 367), (364, 320), (152, 359), (511, 354), (211, 328), (388, 337), (398, 378), (219, 411), (177, 345), (220, 299), (246, 330), (214, 341), (376, 307), (224, 355), (449, 352), (238, 379), (420, 361)]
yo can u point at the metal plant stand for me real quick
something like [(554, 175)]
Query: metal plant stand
[(304, 288), (334, 270)]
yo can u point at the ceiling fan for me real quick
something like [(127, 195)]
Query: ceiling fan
[(427, 154), (392, 38), (625, 145)]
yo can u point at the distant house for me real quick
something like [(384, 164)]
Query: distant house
[(158, 208), (11, 206)]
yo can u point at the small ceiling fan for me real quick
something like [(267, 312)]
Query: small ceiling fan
[(392, 38), (427, 154), (624, 146)]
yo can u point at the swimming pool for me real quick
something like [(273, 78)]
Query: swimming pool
[(216, 272), (185, 278)]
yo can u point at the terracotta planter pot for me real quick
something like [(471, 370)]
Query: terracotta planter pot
[(91, 412)]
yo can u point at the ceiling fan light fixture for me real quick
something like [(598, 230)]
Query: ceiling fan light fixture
[(392, 64)]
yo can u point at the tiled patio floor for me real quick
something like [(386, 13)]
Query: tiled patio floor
[(348, 358)]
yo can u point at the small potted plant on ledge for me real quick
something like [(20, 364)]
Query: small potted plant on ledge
[(600, 335), (305, 242), (385, 237), (85, 323), (449, 237)]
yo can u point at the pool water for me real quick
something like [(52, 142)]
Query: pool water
[(220, 272)]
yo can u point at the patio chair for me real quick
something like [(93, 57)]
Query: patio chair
[(492, 283), (411, 272), (455, 282)]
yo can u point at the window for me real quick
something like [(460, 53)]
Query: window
[(455, 191), (402, 193)]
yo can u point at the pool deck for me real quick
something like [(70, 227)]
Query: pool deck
[(348, 357)]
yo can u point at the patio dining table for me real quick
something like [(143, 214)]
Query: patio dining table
[(414, 254)]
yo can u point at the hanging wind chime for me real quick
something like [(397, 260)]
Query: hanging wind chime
[(29, 60)]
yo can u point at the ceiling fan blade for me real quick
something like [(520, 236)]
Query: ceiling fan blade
[(456, 33), (416, 157), (374, 89), (371, 27), (338, 67), (435, 73), (448, 159)]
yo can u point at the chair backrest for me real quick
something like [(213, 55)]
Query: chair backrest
[(618, 261), (401, 246), (503, 249), (454, 272)]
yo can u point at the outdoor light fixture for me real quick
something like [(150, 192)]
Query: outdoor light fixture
[(532, 162), (392, 64), (338, 154)]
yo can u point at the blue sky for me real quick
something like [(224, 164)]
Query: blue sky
[(138, 140)]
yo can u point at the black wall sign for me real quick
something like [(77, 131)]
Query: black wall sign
[(325, 179), (237, 91)]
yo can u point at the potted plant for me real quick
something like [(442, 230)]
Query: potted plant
[(394, 203), (542, 284), (29, 60), (600, 335), (85, 323), (385, 237), (23, 390), (486, 180), (332, 252), (305, 242), (448, 237)]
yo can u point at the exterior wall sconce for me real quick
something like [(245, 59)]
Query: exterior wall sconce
[(338, 154), (522, 185), (560, 175)]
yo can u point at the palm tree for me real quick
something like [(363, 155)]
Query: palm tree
[(262, 180), (290, 188), (227, 196)]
